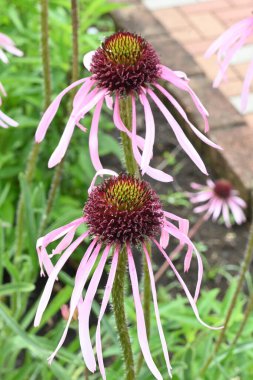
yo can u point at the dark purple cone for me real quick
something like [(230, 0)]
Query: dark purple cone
[(223, 188), (123, 209), (124, 63)]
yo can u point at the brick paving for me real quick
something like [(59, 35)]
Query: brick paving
[(196, 23), (181, 31)]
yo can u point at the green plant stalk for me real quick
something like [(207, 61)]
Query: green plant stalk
[(132, 168), (118, 295), (118, 291), (247, 313), (33, 156), (75, 72), (244, 267)]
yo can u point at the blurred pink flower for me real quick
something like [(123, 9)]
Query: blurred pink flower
[(218, 198), (126, 64), (226, 46), (122, 211), (7, 44), (5, 121)]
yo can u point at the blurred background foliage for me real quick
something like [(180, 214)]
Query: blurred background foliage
[(24, 349)]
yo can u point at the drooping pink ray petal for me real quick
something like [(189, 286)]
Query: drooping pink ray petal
[(2, 89), (93, 137), (201, 196), (225, 213), (191, 248), (246, 87), (65, 242), (158, 321), (106, 297), (188, 294), (152, 172), (80, 96), (91, 103), (6, 119), (120, 125), (181, 137), (237, 212), (87, 59), (101, 173), (44, 261), (239, 201), (201, 208), (80, 280), (171, 76), (13, 50), (85, 309), (141, 326), (109, 102), (184, 115), (227, 35), (51, 280), (217, 209), (51, 111), (150, 134), (3, 57), (59, 232)]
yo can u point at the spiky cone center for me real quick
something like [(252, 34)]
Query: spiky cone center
[(123, 209), (223, 188), (124, 63)]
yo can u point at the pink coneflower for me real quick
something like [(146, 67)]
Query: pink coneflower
[(7, 44), (121, 212), (226, 46), (219, 198), (126, 65), (5, 121)]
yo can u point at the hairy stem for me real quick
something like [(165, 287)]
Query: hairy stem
[(33, 156), (244, 267), (75, 72), (118, 295)]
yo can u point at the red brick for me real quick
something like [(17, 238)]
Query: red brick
[(207, 6), (235, 14), (210, 67), (185, 36), (241, 69), (198, 47), (171, 18), (207, 24), (231, 87)]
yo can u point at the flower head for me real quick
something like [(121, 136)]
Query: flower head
[(6, 43), (219, 198), (126, 65), (120, 203), (226, 46)]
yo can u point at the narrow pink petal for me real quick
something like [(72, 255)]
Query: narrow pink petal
[(109, 102), (152, 172), (225, 214), (101, 173), (246, 87), (51, 280), (80, 96), (202, 196), (13, 50), (188, 294), (237, 212), (227, 36), (93, 137), (90, 104), (2, 89), (239, 201), (51, 111), (202, 208), (106, 297), (85, 309), (8, 120), (158, 321), (65, 242), (80, 280), (149, 136), (164, 238), (181, 137), (44, 261), (141, 327), (184, 115), (196, 186), (3, 57), (185, 240), (217, 209), (87, 59), (2, 124), (120, 125)]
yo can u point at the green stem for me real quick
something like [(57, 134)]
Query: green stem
[(126, 116), (247, 313), (244, 267), (33, 156), (118, 293), (75, 72)]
